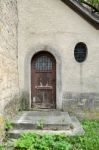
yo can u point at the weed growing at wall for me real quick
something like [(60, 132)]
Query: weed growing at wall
[(1, 128), (1, 147), (7, 125)]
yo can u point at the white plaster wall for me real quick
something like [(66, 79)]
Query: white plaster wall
[(50, 23)]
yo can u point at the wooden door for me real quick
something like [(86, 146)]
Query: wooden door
[(43, 81)]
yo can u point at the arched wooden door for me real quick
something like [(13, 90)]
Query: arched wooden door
[(43, 80)]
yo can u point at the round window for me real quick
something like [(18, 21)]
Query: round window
[(80, 52)]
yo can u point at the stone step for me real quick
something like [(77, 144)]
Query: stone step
[(77, 130), (44, 121), (54, 120)]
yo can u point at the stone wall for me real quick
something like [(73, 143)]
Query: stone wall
[(9, 87), (83, 105)]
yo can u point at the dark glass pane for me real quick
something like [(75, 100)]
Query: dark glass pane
[(80, 52)]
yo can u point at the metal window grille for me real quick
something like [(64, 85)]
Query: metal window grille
[(43, 63)]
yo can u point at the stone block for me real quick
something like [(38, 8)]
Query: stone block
[(9, 86), (96, 105), (83, 105)]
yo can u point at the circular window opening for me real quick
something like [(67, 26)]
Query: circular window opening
[(80, 52)]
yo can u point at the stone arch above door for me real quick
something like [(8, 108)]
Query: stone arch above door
[(27, 72)]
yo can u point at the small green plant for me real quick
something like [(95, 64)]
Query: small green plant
[(40, 124), (62, 145), (1, 147), (7, 125), (26, 141)]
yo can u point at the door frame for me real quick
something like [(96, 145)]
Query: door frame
[(27, 73), (51, 73)]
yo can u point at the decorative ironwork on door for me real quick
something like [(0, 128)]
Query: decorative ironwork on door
[(43, 81)]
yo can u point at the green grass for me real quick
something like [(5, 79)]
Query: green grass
[(88, 141)]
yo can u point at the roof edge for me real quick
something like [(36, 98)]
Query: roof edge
[(92, 18)]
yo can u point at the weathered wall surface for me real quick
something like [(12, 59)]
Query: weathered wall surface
[(8, 57), (50, 25)]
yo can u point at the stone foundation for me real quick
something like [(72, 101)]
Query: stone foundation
[(83, 105)]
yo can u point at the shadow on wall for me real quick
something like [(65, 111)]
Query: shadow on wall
[(12, 107), (24, 101), (18, 103)]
